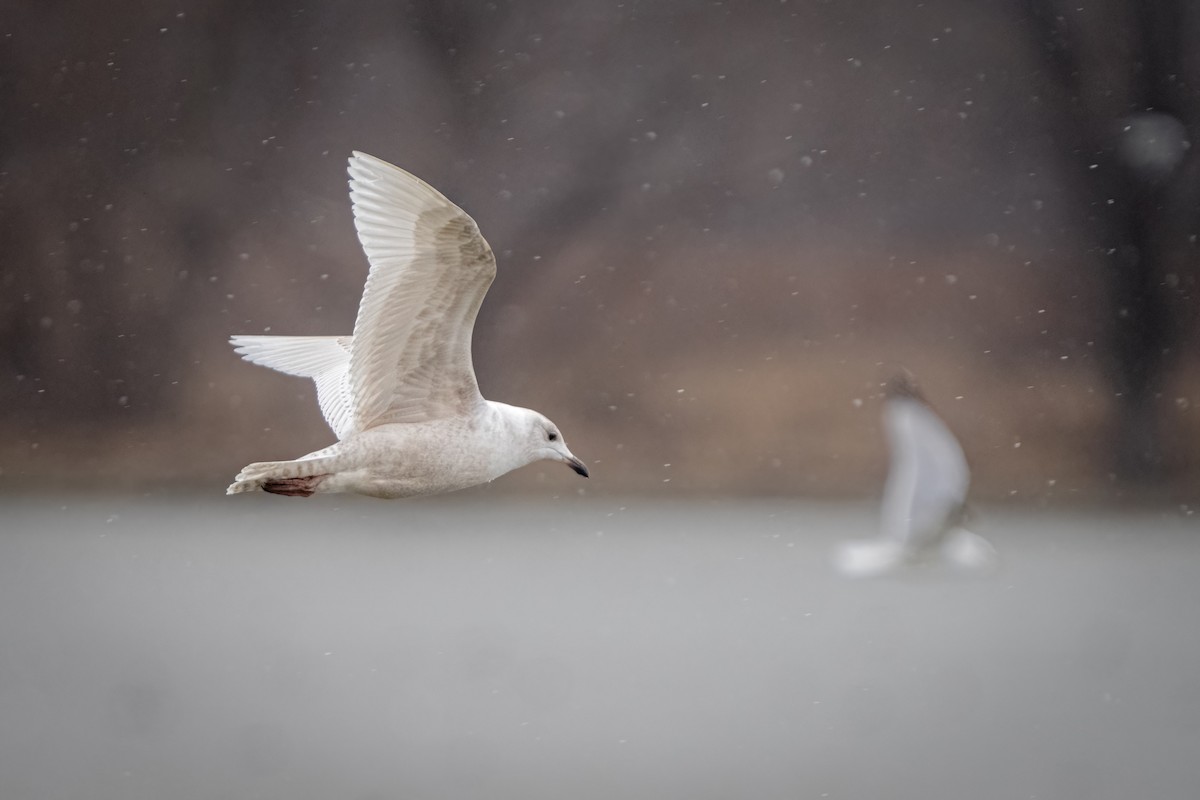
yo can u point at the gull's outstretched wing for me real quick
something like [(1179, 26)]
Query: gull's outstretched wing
[(325, 359), (928, 478), (430, 268)]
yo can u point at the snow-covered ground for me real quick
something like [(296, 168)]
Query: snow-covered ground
[(568, 649)]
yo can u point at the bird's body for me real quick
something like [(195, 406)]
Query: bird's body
[(400, 393), (403, 459)]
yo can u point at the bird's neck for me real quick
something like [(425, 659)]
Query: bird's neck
[(509, 423)]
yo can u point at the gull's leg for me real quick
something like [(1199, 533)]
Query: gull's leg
[(294, 487)]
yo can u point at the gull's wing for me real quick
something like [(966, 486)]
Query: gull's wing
[(325, 359), (898, 492), (868, 558), (928, 478), (430, 268)]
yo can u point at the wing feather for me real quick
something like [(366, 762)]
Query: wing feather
[(928, 478), (410, 356), (430, 269), (325, 359)]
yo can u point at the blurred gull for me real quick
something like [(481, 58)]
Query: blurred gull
[(924, 501), (400, 393)]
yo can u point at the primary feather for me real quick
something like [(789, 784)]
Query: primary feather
[(325, 359), (409, 359), (430, 269)]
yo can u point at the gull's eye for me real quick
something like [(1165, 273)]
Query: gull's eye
[(552, 436)]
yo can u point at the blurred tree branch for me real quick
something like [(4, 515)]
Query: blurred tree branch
[(1122, 119)]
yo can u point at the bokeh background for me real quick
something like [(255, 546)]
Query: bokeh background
[(719, 226)]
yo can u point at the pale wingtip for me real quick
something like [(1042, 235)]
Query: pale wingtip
[(359, 158), (356, 164), (867, 558), (361, 166), (240, 345), (970, 551)]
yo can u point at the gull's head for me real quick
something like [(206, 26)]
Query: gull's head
[(545, 441), (902, 383)]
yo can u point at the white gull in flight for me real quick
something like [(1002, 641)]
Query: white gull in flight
[(400, 393), (925, 498)]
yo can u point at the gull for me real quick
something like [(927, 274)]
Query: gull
[(400, 393), (924, 507)]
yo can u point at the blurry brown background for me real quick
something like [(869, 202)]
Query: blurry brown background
[(718, 226)]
